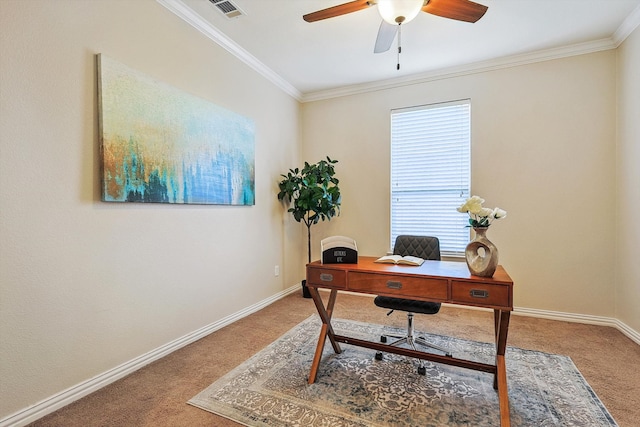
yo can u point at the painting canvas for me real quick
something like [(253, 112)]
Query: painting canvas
[(162, 145)]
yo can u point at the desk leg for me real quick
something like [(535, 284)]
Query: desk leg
[(501, 319), (326, 330)]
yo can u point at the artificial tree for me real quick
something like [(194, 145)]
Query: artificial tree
[(314, 196)]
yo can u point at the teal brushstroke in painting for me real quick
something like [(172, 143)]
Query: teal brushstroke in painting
[(165, 146)]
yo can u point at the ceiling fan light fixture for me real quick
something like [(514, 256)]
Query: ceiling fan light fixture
[(399, 11)]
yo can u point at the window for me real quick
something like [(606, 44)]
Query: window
[(430, 172)]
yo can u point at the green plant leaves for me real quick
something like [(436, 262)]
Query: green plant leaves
[(313, 190)]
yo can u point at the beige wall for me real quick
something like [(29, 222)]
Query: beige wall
[(543, 148), (628, 185), (85, 285)]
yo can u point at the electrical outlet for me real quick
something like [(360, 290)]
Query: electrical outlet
[(276, 270)]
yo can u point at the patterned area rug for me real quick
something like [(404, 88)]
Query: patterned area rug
[(354, 389)]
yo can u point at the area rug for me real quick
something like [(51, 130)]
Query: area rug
[(354, 389)]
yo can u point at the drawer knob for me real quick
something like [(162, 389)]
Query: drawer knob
[(479, 293), (394, 285), (326, 277)]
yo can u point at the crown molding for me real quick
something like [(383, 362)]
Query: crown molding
[(188, 15), (626, 28), (463, 70)]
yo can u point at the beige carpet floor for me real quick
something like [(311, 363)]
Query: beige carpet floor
[(157, 394)]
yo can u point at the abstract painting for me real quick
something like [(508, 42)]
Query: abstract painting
[(162, 145)]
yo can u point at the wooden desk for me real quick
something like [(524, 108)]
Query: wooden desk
[(438, 281)]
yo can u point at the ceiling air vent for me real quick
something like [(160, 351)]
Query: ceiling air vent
[(229, 9)]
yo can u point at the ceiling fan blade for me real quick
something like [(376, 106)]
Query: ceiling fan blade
[(386, 34), (460, 10), (341, 9)]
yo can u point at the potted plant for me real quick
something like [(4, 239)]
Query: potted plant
[(313, 195)]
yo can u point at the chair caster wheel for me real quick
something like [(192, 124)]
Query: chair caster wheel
[(383, 338), (422, 370), (378, 355)]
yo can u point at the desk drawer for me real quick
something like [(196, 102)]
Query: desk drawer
[(482, 294), (327, 278), (401, 286)]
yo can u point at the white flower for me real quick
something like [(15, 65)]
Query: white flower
[(498, 213), (480, 216), (484, 212), (472, 205)]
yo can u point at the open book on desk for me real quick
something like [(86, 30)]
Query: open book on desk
[(397, 259)]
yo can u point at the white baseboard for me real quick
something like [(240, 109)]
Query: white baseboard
[(59, 400), (65, 397), (580, 318)]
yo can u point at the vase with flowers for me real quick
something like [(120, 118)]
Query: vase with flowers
[(481, 254)]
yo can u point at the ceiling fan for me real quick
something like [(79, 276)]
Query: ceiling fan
[(394, 13)]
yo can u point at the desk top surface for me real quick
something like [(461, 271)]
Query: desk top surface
[(450, 269)]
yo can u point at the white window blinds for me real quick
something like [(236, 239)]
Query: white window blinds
[(430, 172)]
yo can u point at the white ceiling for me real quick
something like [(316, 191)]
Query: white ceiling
[(338, 52)]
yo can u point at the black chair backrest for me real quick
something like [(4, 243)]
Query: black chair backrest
[(425, 247)]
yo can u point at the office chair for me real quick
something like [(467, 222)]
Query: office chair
[(428, 248)]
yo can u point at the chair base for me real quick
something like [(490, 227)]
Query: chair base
[(411, 340)]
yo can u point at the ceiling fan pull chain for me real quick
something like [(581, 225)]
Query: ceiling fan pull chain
[(399, 44)]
